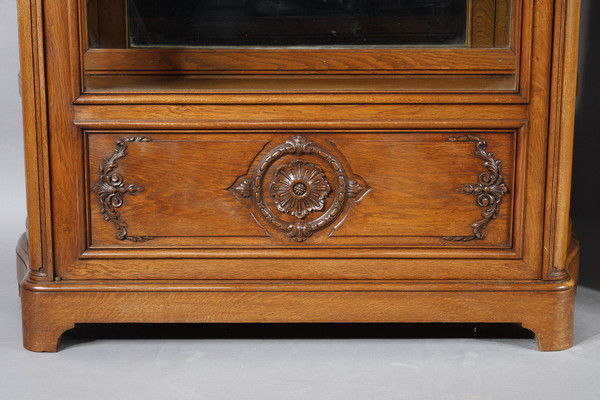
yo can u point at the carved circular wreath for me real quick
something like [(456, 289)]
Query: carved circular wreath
[(299, 188)]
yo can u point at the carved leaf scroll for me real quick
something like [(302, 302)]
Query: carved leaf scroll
[(111, 189), (489, 190)]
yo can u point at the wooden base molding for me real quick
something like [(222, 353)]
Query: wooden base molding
[(50, 309)]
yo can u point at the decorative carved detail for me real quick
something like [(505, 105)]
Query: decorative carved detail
[(299, 187), (111, 189), (243, 188), (354, 189), (489, 190)]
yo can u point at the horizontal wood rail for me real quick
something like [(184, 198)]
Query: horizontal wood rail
[(308, 61)]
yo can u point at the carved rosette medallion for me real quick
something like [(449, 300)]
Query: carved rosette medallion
[(111, 189), (299, 188), (489, 190)]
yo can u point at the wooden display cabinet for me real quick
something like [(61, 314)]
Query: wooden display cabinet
[(392, 161)]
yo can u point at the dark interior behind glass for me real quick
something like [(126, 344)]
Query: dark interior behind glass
[(205, 23)]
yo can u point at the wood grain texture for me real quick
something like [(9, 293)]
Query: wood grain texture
[(562, 120), (301, 116), (276, 266), (35, 138), (540, 63), (482, 23), (385, 114), (44, 309), (112, 24), (106, 23), (491, 23), (335, 89), (409, 199), (502, 23), (278, 61), (62, 87), (56, 310), (52, 308)]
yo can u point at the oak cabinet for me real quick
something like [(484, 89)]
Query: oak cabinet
[(330, 161)]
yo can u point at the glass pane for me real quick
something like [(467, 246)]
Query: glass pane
[(297, 23)]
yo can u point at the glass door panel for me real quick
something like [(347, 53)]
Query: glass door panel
[(322, 45), (298, 23)]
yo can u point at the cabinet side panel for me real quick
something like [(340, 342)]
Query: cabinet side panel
[(540, 62), (35, 138), (63, 87), (560, 148)]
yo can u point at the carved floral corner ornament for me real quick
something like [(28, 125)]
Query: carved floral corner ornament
[(489, 190), (316, 196), (111, 189)]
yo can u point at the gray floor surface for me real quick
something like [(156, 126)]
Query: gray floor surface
[(257, 364)]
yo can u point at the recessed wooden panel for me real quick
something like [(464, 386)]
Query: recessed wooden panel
[(418, 177), (412, 190)]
